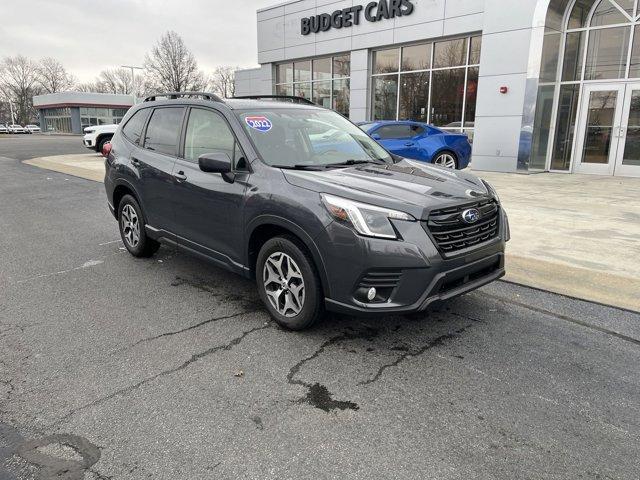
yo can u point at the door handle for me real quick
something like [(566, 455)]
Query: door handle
[(409, 144), (180, 176)]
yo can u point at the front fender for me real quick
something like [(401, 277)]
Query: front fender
[(309, 242)]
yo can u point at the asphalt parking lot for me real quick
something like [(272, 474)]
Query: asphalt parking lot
[(118, 368)]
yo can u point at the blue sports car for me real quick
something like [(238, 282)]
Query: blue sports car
[(420, 141)]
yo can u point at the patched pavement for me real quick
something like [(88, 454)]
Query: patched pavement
[(170, 369)]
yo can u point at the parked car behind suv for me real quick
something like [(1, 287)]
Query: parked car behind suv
[(420, 141), (320, 221), (96, 136)]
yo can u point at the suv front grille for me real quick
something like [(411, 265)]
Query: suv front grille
[(451, 233)]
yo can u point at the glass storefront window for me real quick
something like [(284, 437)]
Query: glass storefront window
[(284, 73), (447, 97), (341, 94), (284, 90), (302, 90), (634, 67), (607, 14), (322, 94), (323, 80), (565, 127), (414, 96), (472, 94), (416, 57), (302, 71), (541, 127), (451, 53), (385, 97), (474, 50), (423, 92), (322, 69), (342, 66), (607, 53), (573, 54), (386, 61)]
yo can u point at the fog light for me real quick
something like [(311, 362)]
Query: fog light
[(371, 294)]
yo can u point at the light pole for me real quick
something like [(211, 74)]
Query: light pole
[(133, 83)]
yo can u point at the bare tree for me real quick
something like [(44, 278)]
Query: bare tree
[(53, 77), (172, 67), (223, 81), (19, 82), (117, 80)]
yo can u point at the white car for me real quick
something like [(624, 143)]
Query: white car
[(96, 136), (32, 128), (3, 128), (16, 129)]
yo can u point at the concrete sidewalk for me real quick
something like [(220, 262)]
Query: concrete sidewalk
[(578, 235), (89, 166)]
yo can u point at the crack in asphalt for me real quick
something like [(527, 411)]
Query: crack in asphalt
[(318, 395), (194, 358), (186, 329), (414, 353), (566, 318)]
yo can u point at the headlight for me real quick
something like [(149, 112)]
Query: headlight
[(367, 220), (492, 191)]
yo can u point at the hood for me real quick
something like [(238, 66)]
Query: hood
[(101, 129), (408, 186)]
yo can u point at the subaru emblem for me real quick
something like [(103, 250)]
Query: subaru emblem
[(472, 215)]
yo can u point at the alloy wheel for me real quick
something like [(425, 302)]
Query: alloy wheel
[(283, 284), (130, 226), (445, 160)]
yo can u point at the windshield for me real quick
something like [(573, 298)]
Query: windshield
[(301, 137)]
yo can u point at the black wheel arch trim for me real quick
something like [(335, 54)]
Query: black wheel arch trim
[(298, 231)]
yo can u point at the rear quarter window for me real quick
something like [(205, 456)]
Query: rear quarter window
[(133, 128)]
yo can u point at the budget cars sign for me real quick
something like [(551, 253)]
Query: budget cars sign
[(347, 17)]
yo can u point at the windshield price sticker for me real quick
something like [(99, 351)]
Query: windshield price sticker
[(262, 124)]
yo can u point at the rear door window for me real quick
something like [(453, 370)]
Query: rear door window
[(133, 128), (163, 131), (389, 132)]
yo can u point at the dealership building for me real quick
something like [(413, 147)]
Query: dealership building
[(539, 85), (71, 112)]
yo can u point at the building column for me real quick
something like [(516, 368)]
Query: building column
[(504, 62), (76, 126), (359, 97)]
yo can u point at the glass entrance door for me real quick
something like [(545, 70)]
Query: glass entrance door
[(599, 128), (628, 156), (608, 140)]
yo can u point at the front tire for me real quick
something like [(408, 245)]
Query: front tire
[(446, 159), (288, 283), (132, 229), (101, 143)]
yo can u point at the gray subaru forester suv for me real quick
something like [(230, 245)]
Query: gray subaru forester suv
[(299, 198)]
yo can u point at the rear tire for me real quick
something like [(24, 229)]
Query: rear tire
[(288, 283), (132, 229), (446, 159)]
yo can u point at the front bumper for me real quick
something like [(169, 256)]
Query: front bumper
[(89, 141), (412, 272)]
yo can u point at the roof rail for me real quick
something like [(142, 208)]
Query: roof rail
[(175, 95), (278, 98)]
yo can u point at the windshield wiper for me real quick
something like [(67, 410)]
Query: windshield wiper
[(350, 162), (299, 167)]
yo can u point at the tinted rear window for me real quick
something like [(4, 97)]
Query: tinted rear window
[(163, 130), (133, 129)]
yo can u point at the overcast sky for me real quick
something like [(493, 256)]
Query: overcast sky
[(88, 36)]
